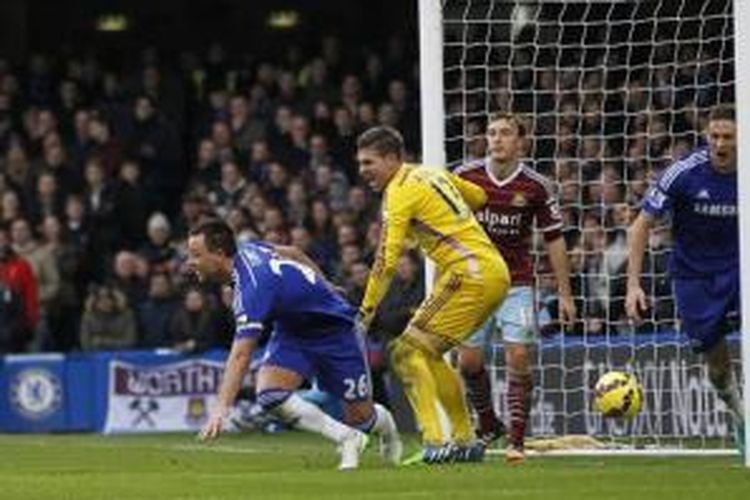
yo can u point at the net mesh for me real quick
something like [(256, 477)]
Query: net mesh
[(613, 92)]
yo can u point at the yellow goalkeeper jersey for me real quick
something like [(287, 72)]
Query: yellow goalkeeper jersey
[(435, 208)]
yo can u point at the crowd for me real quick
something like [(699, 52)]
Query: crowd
[(104, 168)]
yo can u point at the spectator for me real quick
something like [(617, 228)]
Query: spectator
[(158, 250), (48, 199), (10, 207), (107, 148), (64, 313), (129, 275), (108, 323), (229, 191), (100, 211), (44, 266), (207, 170), (245, 129), (156, 312), (194, 324), (153, 141), (20, 291), (402, 299), (77, 224)]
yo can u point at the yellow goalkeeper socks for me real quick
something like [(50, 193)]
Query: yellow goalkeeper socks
[(411, 365), (452, 398)]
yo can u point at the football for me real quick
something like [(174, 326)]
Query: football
[(618, 394)]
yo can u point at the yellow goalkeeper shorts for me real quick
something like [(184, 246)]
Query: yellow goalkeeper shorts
[(460, 302)]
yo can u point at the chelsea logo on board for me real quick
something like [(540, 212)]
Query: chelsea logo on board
[(35, 393)]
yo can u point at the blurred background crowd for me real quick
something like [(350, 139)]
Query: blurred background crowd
[(104, 167)]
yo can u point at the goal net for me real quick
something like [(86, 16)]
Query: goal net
[(612, 92)]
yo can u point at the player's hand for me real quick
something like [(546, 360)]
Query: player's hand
[(567, 310), (364, 319), (214, 426), (635, 303)]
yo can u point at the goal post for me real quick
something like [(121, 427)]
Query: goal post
[(742, 68), (431, 93), (613, 92)]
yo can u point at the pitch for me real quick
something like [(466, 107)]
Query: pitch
[(294, 465)]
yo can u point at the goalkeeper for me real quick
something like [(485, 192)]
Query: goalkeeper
[(434, 207)]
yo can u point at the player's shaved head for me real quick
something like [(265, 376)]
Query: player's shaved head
[(382, 139), (218, 236), (211, 248)]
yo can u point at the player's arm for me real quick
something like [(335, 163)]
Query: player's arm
[(474, 195), (638, 233), (656, 203), (398, 206), (558, 257), (252, 306), (235, 369), (550, 222)]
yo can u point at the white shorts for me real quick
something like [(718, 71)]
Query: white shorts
[(515, 318)]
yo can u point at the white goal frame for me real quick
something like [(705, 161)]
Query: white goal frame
[(742, 89)]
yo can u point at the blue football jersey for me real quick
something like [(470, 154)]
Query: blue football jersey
[(703, 207), (292, 297)]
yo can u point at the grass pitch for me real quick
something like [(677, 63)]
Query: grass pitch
[(294, 465)]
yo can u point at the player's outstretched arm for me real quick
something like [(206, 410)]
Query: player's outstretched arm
[(234, 371), (558, 257), (635, 300)]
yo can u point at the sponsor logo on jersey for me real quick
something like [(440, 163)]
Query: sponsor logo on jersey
[(715, 209), (36, 393)]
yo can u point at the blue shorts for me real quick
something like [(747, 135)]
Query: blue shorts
[(515, 318), (336, 361), (706, 305)]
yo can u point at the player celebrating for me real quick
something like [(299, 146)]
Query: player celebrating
[(434, 207), (518, 198), (700, 193), (314, 336)]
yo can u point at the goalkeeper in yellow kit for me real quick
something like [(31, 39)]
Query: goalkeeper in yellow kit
[(435, 208)]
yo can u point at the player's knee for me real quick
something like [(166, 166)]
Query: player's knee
[(470, 361), (271, 399), (517, 358), (361, 416)]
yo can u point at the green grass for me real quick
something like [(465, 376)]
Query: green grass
[(292, 465)]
